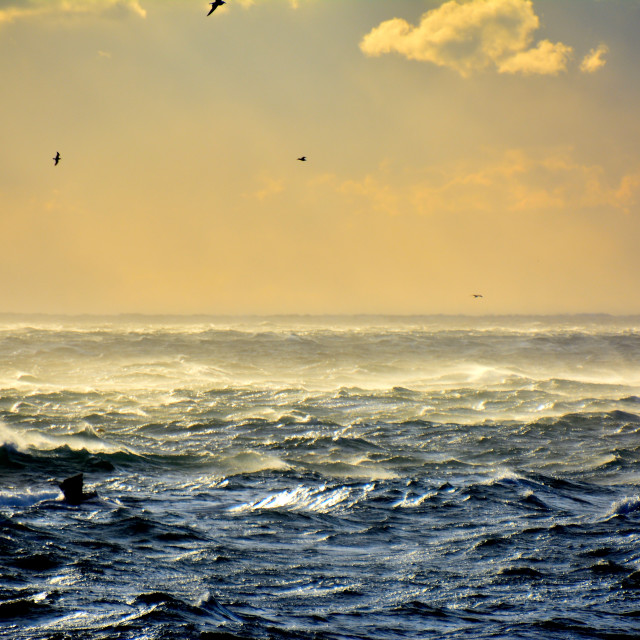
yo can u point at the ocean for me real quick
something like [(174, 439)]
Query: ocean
[(320, 477)]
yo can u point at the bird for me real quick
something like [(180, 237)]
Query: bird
[(302, 158), (215, 5), (56, 159), (477, 295)]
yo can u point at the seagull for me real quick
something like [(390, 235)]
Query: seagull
[(302, 158), (477, 295), (215, 5), (57, 158)]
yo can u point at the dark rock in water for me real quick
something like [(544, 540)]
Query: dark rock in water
[(73, 490)]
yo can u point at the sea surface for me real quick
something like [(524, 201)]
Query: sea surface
[(320, 478)]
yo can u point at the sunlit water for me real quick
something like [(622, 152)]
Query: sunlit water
[(321, 478)]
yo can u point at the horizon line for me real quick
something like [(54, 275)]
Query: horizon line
[(138, 314)]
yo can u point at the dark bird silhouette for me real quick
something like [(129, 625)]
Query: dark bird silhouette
[(477, 295), (215, 5), (72, 489), (57, 158), (302, 158)]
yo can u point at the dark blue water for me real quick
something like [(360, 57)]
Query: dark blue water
[(321, 478)]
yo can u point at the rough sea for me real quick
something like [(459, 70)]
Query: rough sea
[(320, 478)]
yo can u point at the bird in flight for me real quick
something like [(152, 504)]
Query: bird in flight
[(215, 5), (57, 158), (302, 158), (477, 295)]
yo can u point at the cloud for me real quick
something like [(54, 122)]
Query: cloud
[(270, 187), (22, 9), (594, 60), (544, 59), (511, 183), (379, 193), (472, 36)]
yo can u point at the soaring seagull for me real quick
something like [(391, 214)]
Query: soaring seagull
[(215, 5), (57, 158), (302, 158)]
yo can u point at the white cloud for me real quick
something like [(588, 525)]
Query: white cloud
[(472, 36), (594, 60), (18, 10)]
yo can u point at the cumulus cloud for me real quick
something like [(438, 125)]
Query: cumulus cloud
[(12, 10), (546, 58), (594, 60), (472, 36)]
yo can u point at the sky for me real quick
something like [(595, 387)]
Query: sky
[(453, 147)]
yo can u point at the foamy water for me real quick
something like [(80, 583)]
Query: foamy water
[(320, 477)]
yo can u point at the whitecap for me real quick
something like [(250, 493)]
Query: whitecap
[(253, 462), (87, 440), (303, 498), (624, 506), (25, 499)]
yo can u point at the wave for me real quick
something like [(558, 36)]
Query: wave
[(25, 499), (252, 462), (120, 354), (319, 500), (85, 440), (26, 607), (208, 605), (624, 507), (367, 449)]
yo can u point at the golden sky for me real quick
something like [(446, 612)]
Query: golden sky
[(457, 147)]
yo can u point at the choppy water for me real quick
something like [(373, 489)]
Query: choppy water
[(326, 478)]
